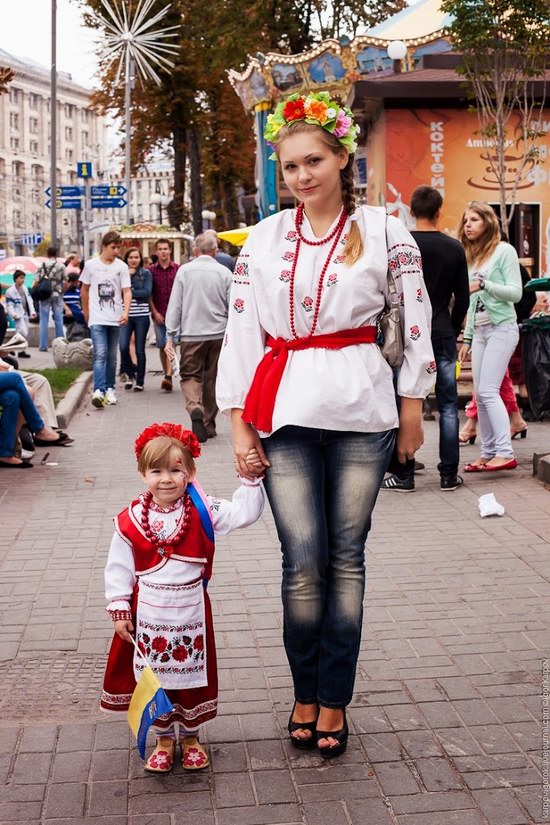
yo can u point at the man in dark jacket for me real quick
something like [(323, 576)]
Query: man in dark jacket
[(446, 277)]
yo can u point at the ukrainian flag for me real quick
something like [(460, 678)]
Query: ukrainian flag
[(149, 701)]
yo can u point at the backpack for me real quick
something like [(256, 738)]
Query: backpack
[(43, 289)]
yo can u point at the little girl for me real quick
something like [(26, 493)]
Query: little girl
[(159, 564)]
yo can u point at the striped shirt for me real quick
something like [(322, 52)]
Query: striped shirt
[(138, 309)]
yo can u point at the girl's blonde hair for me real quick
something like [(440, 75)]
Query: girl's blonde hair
[(354, 243), (482, 248), (156, 455)]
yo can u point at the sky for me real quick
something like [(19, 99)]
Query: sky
[(25, 32)]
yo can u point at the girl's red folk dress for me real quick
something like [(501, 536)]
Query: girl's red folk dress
[(176, 651)]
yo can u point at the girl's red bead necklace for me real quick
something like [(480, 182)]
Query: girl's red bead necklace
[(164, 546), (336, 235)]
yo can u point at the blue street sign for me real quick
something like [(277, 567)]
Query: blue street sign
[(66, 191), (108, 203), (83, 170), (32, 239), (107, 190), (65, 203)]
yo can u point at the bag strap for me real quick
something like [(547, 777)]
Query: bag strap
[(391, 281)]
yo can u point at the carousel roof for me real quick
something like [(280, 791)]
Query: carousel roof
[(418, 20)]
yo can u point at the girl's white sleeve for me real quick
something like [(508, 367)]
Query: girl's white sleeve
[(417, 372), (244, 509), (244, 342), (120, 574)]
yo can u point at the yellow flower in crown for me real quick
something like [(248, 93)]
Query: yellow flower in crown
[(316, 109), (274, 127)]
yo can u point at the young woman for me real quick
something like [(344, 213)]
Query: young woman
[(138, 322), (491, 329), (307, 386)]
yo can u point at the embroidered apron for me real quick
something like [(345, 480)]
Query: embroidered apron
[(170, 631)]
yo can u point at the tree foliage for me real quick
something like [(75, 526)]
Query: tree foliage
[(504, 46), (196, 110)]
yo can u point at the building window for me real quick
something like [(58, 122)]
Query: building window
[(16, 214), (69, 155), (14, 144), (33, 147), (33, 125), (35, 195), (68, 109), (14, 120), (68, 133), (85, 116), (85, 138), (14, 95), (33, 101)]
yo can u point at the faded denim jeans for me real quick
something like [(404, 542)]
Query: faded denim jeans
[(492, 348), (322, 488)]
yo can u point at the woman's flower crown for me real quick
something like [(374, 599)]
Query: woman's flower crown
[(177, 431), (316, 108)]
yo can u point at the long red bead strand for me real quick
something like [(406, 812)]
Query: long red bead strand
[(336, 234)]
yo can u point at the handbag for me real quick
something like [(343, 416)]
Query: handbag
[(389, 323)]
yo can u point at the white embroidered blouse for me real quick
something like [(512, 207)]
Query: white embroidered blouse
[(339, 389), (244, 509)]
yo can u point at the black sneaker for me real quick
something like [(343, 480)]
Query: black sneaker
[(449, 483), (399, 484), (197, 425)]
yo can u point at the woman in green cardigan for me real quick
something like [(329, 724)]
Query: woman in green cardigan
[(491, 329)]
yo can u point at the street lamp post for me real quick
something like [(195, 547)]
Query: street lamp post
[(53, 128), (207, 218)]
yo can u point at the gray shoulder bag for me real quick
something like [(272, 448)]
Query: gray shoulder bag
[(389, 322)]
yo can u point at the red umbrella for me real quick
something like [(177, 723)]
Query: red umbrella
[(23, 262)]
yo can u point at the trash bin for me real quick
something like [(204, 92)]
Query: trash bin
[(536, 364)]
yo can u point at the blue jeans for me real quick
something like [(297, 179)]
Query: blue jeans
[(105, 341), (14, 397), (322, 488), (55, 304), (140, 326), (446, 395)]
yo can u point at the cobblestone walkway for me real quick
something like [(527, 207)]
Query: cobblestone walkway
[(447, 711)]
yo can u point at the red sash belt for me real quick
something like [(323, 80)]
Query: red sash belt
[(260, 401)]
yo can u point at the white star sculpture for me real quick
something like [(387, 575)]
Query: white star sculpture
[(129, 35)]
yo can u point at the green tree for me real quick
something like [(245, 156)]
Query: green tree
[(504, 46)]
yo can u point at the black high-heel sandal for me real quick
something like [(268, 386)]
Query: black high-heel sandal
[(341, 737), (522, 433), (301, 744)]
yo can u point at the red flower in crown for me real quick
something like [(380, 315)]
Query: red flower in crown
[(177, 431), (294, 110)]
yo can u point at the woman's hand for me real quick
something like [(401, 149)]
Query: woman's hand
[(123, 628), (169, 350), (250, 458), (474, 286), (410, 435), (464, 353)]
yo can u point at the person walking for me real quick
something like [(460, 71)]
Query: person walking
[(491, 330), (446, 277), (138, 321), (221, 257), (306, 384), (20, 306), (164, 272), (106, 295), (197, 317), (48, 289)]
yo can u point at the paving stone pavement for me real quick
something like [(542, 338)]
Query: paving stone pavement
[(446, 716)]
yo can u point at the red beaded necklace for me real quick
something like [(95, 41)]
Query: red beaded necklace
[(336, 234), (178, 535)]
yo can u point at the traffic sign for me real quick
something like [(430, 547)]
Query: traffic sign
[(108, 190), (83, 170), (108, 203), (65, 203), (66, 191), (32, 239)]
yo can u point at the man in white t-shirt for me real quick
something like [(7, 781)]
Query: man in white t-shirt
[(106, 294)]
